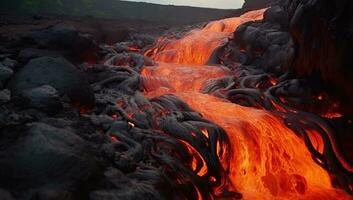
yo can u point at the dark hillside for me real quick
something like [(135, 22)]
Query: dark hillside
[(116, 9)]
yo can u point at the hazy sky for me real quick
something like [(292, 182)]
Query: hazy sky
[(200, 3)]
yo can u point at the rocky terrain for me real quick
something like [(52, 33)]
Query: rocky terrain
[(106, 31), (69, 125), (116, 9), (318, 29), (50, 147)]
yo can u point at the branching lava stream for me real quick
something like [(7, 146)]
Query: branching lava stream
[(268, 160)]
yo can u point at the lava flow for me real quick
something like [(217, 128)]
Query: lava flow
[(268, 160), (198, 45)]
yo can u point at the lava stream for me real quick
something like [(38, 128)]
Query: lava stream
[(198, 45), (269, 161)]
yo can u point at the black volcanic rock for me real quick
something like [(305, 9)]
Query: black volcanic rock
[(44, 98), (56, 72), (323, 35), (266, 43), (45, 161), (277, 15)]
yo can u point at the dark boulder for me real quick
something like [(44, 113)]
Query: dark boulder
[(256, 37), (265, 43), (44, 98), (58, 73), (46, 161)]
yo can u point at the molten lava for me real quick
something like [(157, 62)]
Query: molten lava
[(198, 45), (269, 160)]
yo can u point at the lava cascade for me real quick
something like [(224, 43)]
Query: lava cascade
[(198, 45), (268, 160)]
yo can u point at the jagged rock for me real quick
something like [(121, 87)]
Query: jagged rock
[(5, 73), (5, 96), (46, 157), (44, 98), (58, 73)]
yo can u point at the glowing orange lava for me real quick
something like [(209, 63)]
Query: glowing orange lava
[(269, 161), (198, 45)]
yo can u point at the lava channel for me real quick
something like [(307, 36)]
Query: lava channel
[(268, 160)]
